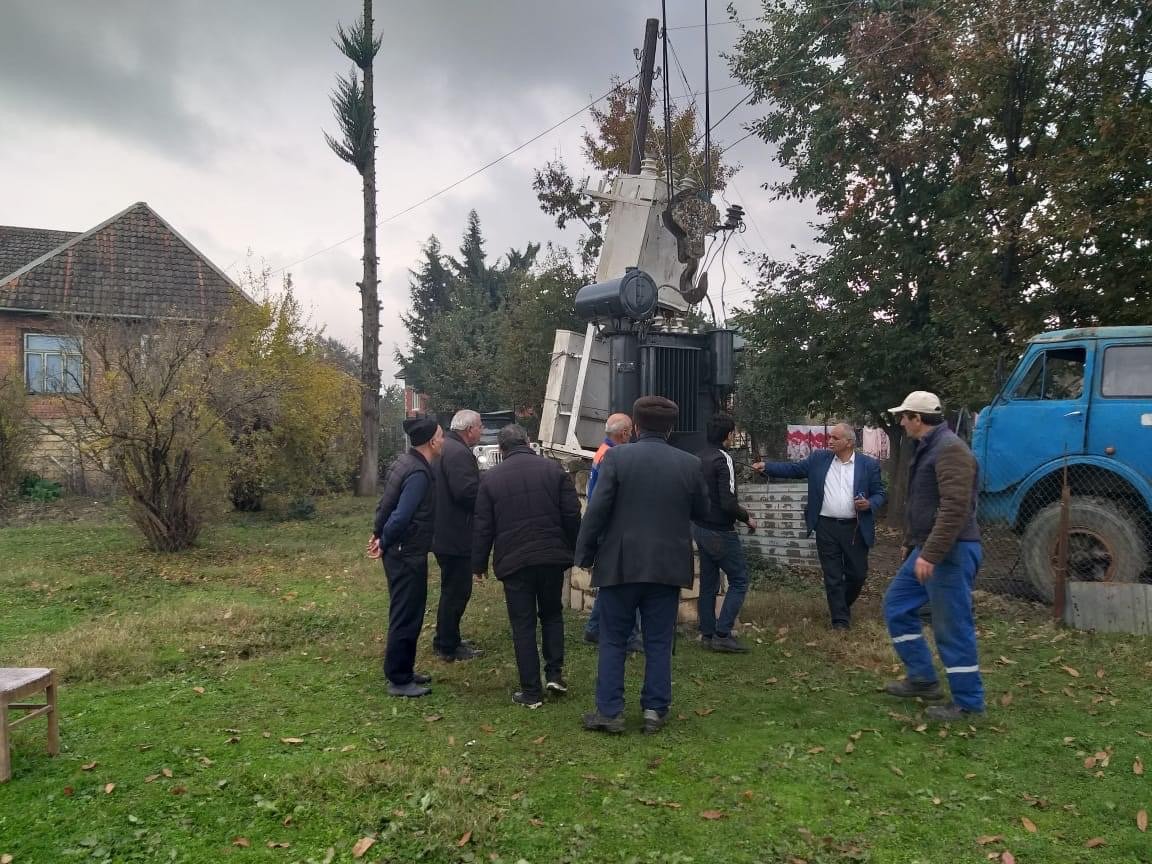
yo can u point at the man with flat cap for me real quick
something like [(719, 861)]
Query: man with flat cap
[(637, 538), (402, 535)]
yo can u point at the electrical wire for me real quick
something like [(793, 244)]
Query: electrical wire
[(463, 179)]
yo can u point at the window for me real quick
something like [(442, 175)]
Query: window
[(52, 364), (1127, 371), (1054, 375)]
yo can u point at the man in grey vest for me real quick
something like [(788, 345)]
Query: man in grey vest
[(402, 535)]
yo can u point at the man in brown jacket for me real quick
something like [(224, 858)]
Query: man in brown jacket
[(943, 552)]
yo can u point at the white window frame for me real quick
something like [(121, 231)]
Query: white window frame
[(68, 384)]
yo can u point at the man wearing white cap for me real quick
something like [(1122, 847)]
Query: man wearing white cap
[(942, 545)]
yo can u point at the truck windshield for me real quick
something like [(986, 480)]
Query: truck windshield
[(1057, 374)]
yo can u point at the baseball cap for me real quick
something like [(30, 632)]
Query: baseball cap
[(919, 402)]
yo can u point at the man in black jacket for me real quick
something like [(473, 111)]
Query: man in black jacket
[(719, 545), (528, 512), (457, 481), (636, 536), (402, 534)]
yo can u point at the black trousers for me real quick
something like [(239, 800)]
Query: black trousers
[(408, 597), (844, 560), (531, 593), (455, 592)]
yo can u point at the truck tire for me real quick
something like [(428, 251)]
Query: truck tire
[(1106, 543)]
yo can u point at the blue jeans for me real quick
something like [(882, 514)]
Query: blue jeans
[(720, 550), (949, 592), (657, 605), (592, 625)]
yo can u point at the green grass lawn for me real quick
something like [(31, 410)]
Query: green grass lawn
[(227, 705)]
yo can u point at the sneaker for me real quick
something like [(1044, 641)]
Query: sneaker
[(462, 653), (950, 713), (471, 646), (654, 721), (906, 688), (557, 685), (528, 700), (592, 637), (421, 678), (411, 690), (728, 645), (597, 722)]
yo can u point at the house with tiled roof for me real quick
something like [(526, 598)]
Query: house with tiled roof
[(132, 266)]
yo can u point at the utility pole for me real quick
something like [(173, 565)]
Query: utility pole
[(644, 95)]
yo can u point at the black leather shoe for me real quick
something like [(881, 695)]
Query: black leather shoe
[(906, 688), (597, 722), (462, 653)]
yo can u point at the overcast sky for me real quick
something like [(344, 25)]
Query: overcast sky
[(213, 112)]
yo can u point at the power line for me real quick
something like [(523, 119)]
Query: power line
[(463, 179)]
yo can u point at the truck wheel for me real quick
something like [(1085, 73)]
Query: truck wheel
[(1105, 544)]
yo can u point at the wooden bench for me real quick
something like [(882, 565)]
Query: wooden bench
[(19, 684)]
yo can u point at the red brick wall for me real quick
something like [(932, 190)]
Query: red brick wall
[(12, 329)]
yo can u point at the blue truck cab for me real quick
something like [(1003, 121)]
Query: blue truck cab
[(1082, 399)]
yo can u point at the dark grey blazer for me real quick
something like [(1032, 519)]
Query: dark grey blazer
[(637, 527)]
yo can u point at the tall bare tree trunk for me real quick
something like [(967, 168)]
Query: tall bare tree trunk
[(369, 301)]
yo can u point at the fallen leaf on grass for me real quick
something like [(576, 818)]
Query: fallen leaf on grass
[(986, 839), (1006, 700), (347, 748), (362, 846), (1090, 762), (6, 858), (540, 740), (849, 747), (1028, 824), (88, 767), (108, 787), (179, 790), (815, 750), (167, 772), (1095, 843), (242, 842), (922, 728), (712, 815), (1007, 858), (235, 739), (464, 838), (291, 740), (432, 718), (67, 791), (277, 844), (748, 794), (704, 712), (1138, 767), (286, 821), (1142, 821), (969, 776), (151, 778), (536, 823), (1075, 673), (199, 691), (487, 727), (1006, 661), (1100, 673), (896, 771)]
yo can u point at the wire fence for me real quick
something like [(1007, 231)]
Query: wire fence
[(1076, 525)]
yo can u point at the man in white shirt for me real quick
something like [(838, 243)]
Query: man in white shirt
[(844, 491)]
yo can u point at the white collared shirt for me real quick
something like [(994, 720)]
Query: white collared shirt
[(838, 487)]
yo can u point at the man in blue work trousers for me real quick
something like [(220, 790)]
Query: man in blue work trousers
[(942, 545)]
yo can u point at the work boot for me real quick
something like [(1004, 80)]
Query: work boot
[(728, 645), (528, 700), (556, 685), (462, 653), (906, 688), (411, 690), (950, 713), (654, 721), (597, 722)]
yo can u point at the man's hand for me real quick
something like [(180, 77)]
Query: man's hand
[(751, 523), (924, 570), (905, 551), (861, 504), (373, 549), (758, 466)]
